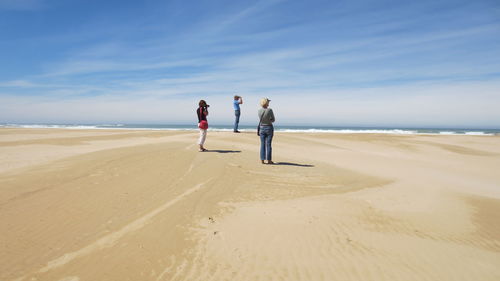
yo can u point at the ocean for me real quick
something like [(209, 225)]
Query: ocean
[(278, 128)]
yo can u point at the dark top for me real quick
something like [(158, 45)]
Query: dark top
[(201, 115), (266, 116)]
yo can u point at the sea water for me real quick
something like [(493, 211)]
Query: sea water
[(278, 128)]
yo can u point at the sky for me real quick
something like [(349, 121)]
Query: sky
[(331, 63)]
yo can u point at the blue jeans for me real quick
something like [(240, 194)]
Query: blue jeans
[(237, 119), (266, 138)]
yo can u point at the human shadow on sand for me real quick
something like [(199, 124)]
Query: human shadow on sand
[(293, 164), (222, 151)]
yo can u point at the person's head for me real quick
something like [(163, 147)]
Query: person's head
[(236, 97), (264, 102), (202, 103)]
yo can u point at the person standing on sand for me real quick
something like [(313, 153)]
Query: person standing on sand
[(237, 112), (202, 113), (266, 131)]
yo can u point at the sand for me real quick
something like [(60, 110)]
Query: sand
[(146, 205)]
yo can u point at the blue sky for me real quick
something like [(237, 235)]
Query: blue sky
[(362, 63)]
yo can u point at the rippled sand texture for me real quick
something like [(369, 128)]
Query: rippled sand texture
[(138, 205)]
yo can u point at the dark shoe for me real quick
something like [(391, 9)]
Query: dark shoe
[(236, 131)]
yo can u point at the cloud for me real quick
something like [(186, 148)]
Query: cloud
[(464, 104), (21, 5), (244, 13), (19, 84)]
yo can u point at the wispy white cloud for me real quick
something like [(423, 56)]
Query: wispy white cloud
[(465, 104), (235, 19), (21, 5), (19, 84)]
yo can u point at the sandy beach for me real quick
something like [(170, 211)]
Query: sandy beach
[(146, 205)]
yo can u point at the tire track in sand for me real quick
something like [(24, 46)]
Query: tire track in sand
[(111, 239)]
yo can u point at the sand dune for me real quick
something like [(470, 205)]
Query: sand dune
[(137, 205)]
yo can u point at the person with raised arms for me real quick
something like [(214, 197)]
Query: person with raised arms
[(237, 112), (202, 113)]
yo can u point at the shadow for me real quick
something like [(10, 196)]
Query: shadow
[(223, 151), (292, 164)]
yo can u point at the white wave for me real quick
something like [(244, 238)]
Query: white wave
[(35, 126), (478, 134), (111, 125), (447, 133)]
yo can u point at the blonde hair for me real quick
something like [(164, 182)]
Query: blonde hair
[(264, 101)]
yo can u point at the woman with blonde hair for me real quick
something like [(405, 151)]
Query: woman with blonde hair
[(266, 131), (202, 113)]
